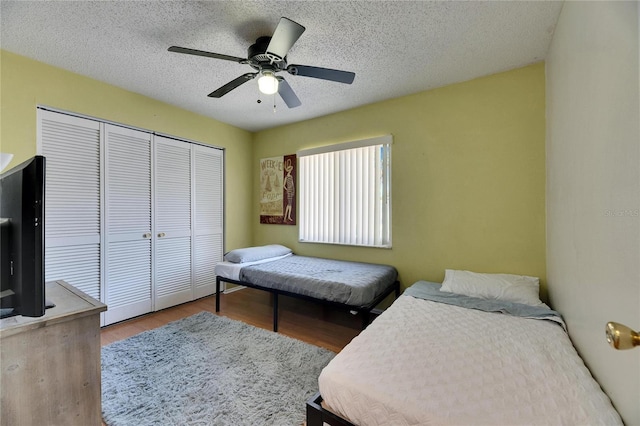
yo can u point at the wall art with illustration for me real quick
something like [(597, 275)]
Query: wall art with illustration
[(278, 190)]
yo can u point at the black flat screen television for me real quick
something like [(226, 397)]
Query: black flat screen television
[(22, 192)]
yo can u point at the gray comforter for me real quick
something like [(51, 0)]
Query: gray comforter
[(351, 283), (431, 291)]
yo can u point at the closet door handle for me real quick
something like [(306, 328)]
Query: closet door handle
[(147, 235), (162, 234)]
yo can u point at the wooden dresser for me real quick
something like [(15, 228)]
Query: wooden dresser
[(50, 366)]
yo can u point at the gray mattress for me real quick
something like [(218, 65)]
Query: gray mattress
[(351, 283)]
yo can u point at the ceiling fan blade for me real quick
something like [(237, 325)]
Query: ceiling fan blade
[(220, 92), (286, 34), (178, 49), (322, 73), (287, 94)]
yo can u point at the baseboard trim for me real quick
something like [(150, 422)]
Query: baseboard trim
[(232, 289)]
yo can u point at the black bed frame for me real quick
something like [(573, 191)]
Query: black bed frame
[(365, 310), (317, 415)]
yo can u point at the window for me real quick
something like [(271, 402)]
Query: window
[(345, 193)]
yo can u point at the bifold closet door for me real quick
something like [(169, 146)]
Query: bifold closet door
[(208, 216), (128, 230), (71, 146), (133, 219), (172, 212)]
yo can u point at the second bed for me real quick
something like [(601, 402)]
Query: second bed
[(355, 286)]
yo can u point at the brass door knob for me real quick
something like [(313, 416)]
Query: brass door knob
[(620, 336)]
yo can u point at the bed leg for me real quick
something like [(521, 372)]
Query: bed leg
[(275, 312), (365, 319), (314, 413), (217, 294), (318, 416)]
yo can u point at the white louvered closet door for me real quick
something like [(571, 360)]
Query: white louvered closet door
[(128, 238), (172, 171), (132, 219), (208, 217), (71, 146)]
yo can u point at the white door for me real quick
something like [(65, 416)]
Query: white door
[(71, 146), (128, 236), (172, 171), (208, 217)]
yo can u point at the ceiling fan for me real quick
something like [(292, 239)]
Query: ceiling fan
[(268, 56)]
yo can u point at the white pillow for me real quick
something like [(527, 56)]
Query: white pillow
[(506, 287), (252, 254)]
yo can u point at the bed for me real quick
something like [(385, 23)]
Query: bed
[(355, 286), (437, 357)]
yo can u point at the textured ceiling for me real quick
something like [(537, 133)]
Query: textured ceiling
[(394, 47)]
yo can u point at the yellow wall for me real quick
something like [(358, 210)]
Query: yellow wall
[(26, 83), (468, 176), (468, 162)]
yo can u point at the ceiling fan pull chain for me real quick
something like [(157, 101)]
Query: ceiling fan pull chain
[(274, 103)]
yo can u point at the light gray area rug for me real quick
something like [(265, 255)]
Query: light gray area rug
[(209, 370)]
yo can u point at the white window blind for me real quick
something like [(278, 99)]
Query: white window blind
[(345, 193)]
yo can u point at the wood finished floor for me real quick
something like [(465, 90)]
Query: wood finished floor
[(300, 319)]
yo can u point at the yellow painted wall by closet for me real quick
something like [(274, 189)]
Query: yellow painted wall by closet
[(25, 84)]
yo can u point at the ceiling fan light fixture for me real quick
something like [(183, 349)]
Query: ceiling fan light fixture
[(268, 83)]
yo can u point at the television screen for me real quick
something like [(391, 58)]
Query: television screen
[(22, 239)]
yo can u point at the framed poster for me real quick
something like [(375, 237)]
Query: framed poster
[(278, 190)]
